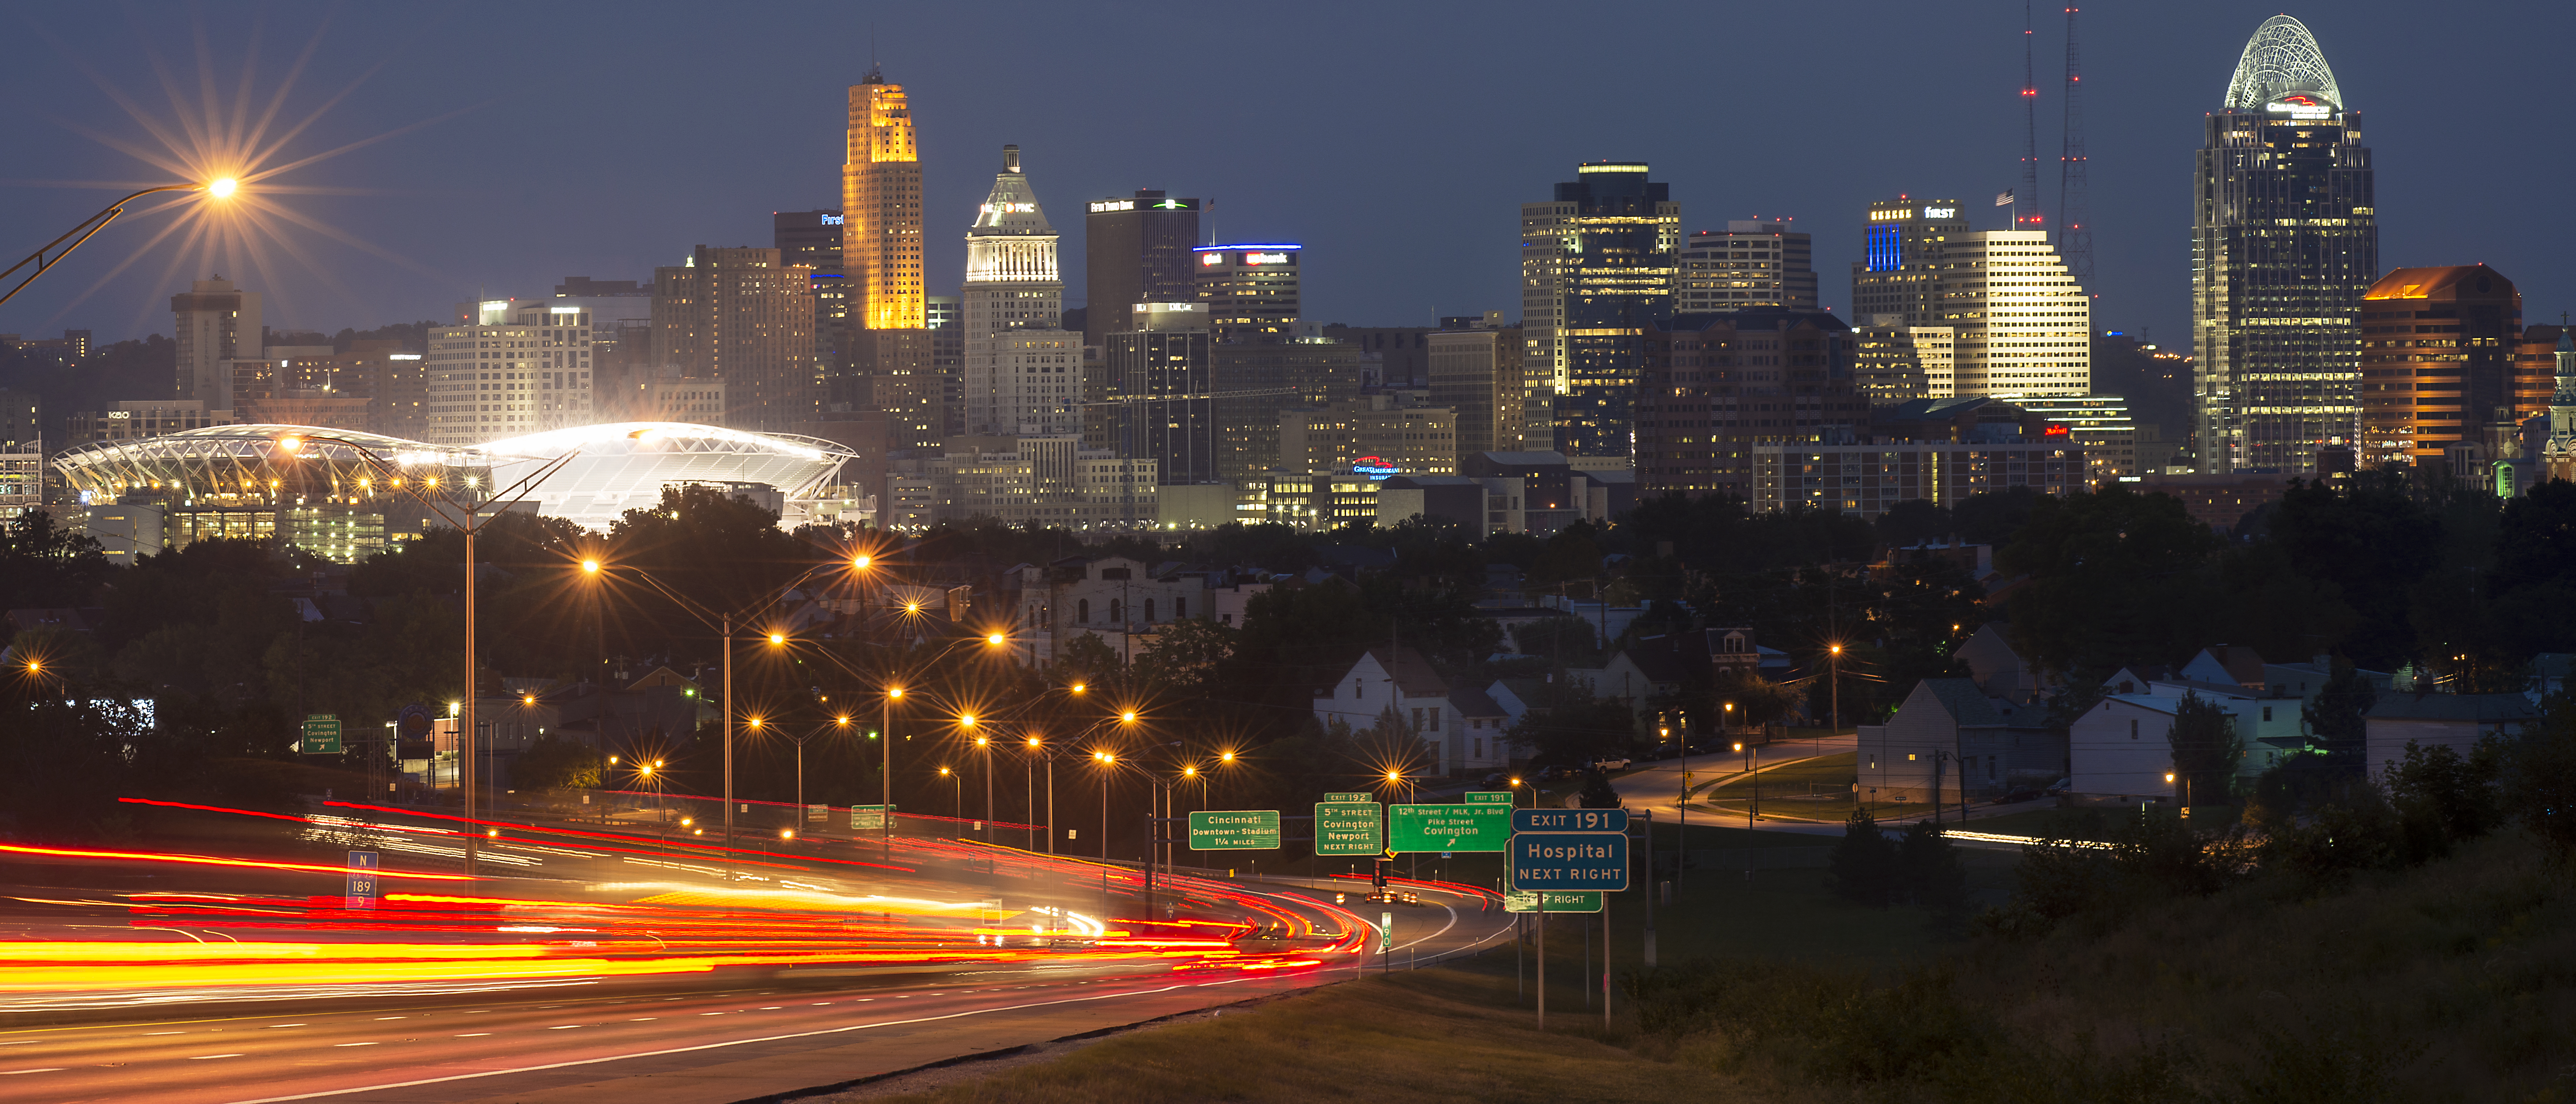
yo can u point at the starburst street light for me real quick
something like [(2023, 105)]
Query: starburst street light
[(220, 189)]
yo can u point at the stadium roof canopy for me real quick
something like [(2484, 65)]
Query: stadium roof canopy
[(612, 467)]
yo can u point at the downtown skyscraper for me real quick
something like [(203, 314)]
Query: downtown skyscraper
[(1597, 273), (1023, 371), (2285, 240), (888, 352)]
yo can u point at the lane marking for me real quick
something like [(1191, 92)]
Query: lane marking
[(203, 1057), (563, 1027), (273, 1027), (165, 1033), (641, 1019), (472, 1034), (47, 1069), (718, 1046), (352, 1044)]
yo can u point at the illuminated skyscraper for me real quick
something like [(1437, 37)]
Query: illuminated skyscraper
[(2437, 364), (2021, 325), (881, 208), (1751, 263), (1023, 372), (1251, 292), (741, 316), (1136, 249), (1596, 276), (1897, 275), (2284, 242), (217, 322)]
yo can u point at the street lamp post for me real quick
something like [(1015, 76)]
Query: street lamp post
[(219, 189)]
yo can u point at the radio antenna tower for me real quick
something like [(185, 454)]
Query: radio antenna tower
[(2074, 232), (2026, 214)]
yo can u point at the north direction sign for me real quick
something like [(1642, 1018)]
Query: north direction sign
[(1552, 900), (1569, 860), (1240, 830), (1349, 827), (1449, 828)]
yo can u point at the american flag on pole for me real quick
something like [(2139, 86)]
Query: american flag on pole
[(2004, 198)]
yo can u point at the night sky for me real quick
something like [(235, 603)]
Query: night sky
[(1395, 140)]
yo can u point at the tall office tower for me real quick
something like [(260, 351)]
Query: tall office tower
[(1751, 263), (1717, 384), (217, 323), (1894, 363), (1023, 375), (946, 316), (888, 350), (881, 207), (2023, 326), (22, 453), (1596, 274), (1403, 352), (2437, 363), (1154, 388), (1256, 383), (1476, 371), (812, 239), (1136, 250), (1901, 238), (522, 367), (22, 420), (2284, 242), (1250, 291), (742, 316)]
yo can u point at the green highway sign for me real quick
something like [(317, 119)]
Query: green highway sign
[(1239, 830), (868, 818), (1479, 827), (1553, 900), (1349, 827), (1503, 797), (321, 734), (1350, 798)]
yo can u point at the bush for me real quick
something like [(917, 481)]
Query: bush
[(2444, 798), (1928, 872), (2540, 781), (1862, 869), (2355, 831)]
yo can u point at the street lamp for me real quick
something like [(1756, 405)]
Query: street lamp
[(957, 803), (468, 520), (1836, 653), (219, 189)]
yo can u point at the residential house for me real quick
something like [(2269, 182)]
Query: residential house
[(1951, 733), (2454, 721), (1399, 684), (2000, 670)]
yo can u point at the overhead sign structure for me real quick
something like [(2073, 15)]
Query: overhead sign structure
[(1569, 860), (321, 734), (1349, 827), (1239, 830), (868, 818), (1552, 900), (1569, 820), (1449, 828)]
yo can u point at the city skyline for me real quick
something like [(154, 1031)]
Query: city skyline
[(582, 198)]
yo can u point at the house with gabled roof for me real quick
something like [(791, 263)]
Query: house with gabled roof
[(1951, 734)]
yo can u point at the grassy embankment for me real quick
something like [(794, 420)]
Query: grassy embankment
[(2454, 981)]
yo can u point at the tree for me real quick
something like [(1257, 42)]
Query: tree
[(1929, 872), (2540, 787), (2206, 750), (1596, 793), (552, 764), (1862, 868), (2373, 542), (1572, 727), (2113, 577), (1187, 656), (43, 565)]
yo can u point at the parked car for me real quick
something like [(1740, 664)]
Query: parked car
[(2019, 795), (1611, 763)]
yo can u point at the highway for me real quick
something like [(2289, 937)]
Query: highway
[(509, 995)]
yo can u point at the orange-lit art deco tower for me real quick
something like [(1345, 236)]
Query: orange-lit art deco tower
[(881, 253)]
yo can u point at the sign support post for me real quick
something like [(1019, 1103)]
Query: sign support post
[(1650, 888)]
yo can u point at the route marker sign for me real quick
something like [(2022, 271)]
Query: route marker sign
[(1569, 860), (868, 818), (1479, 827), (321, 734), (1240, 830), (1552, 900), (1570, 820), (1349, 827), (1349, 798), (362, 880)]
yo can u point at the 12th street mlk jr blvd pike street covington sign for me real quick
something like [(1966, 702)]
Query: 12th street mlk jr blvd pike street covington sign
[(1239, 830), (1480, 827)]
